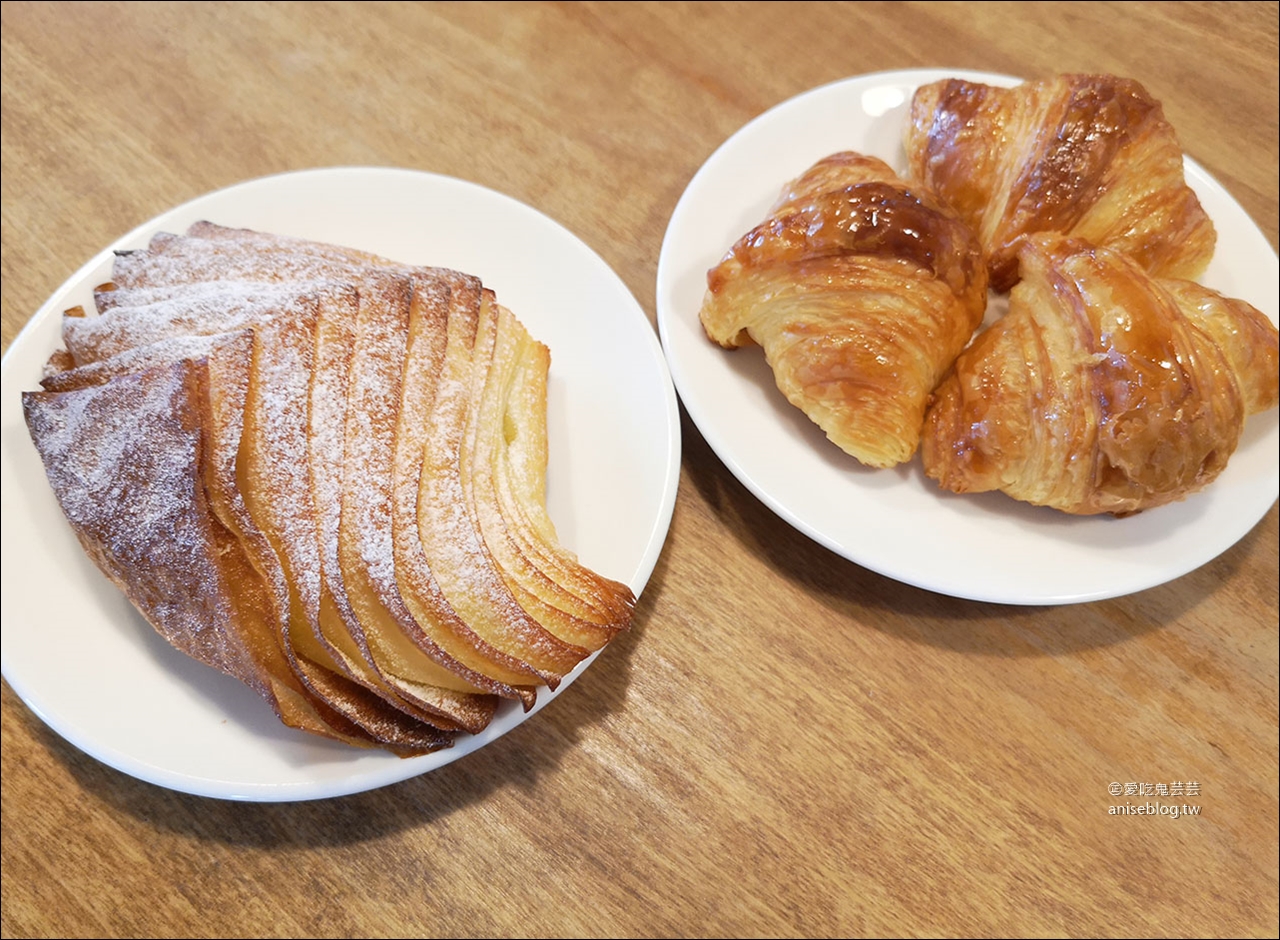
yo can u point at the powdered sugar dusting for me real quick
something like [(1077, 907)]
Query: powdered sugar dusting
[(123, 459), (191, 309), (273, 372)]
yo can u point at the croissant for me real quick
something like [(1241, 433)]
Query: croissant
[(861, 290), (1090, 156), (1102, 390)]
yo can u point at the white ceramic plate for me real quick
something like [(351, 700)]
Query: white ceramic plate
[(91, 667), (897, 522)]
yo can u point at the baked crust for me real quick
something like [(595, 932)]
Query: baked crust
[(862, 290), (315, 394), (1090, 156), (1102, 390)]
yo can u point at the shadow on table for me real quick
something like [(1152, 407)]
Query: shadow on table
[(516, 760), (922, 616)]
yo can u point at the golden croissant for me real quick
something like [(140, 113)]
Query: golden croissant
[(323, 473), (1090, 156), (861, 290), (1102, 390)]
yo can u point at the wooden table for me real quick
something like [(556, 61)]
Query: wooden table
[(785, 743)]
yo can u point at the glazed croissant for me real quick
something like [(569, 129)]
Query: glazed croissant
[(1102, 390), (1090, 156), (862, 291)]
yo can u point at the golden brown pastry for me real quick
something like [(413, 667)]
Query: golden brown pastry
[(126, 460), (503, 458), (1090, 156), (358, 624), (862, 290), (1244, 336), (310, 403), (1102, 390), (472, 624)]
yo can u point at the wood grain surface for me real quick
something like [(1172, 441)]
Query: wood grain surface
[(786, 744)]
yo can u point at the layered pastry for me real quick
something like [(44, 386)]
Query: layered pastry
[(337, 494), (1103, 389), (1090, 156), (862, 290), (1114, 383)]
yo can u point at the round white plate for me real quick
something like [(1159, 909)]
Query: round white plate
[(94, 670), (897, 522)]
